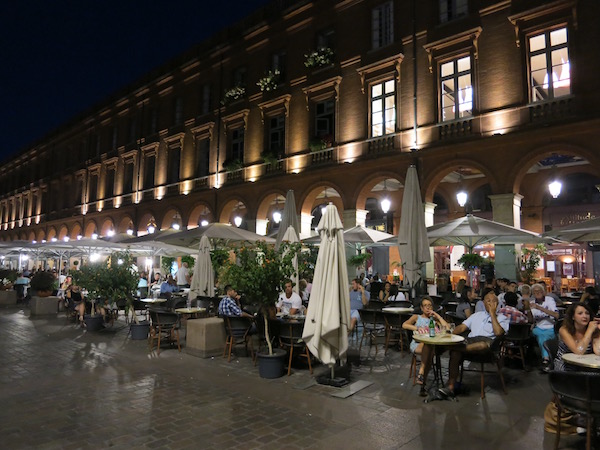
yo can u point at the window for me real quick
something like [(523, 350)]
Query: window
[(237, 144), (325, 119), (153, 121), (132, 130), (178, 111), (277, 135), (550, 70), (453, 9), (128, 178), (173, 168), (456, 89), (109, 187), (93, 188), (149, 168), (202, 157), (206, 99), (278, 63), (326, 39), (239, 77), (115, 136), (383, 108), (382, 25)]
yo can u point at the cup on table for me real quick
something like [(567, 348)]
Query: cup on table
[(450, 328)]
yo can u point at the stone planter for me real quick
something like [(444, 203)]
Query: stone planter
[(139, 331), (205, 337), (41, 306), (8, 298)]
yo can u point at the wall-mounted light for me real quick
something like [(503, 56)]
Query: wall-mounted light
[(110, 233), (94, 235)]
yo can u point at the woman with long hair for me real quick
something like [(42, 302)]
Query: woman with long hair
[(579, 334)]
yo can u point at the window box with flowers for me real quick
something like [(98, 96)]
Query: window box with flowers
[(318, 58), (233, 94), (270, 81)]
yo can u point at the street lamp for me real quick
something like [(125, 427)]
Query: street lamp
[(176, 225), (555, 186)]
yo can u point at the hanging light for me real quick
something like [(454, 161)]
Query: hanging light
[(79, 237), (66, 239), (53, 239), (176, 225), (204, 223), (151, 227), (237, 220), (277, 216), (555, 186), (130, 229), (110, 233), (461, 195), (385, 202), (94, 235)]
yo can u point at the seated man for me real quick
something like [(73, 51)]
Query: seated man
[(230, 304), (510, 309), (289, 302), (168, 286), (483, 327), (359, 297)]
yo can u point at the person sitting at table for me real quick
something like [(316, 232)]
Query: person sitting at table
[(230, 304), (303, 294), (463, 309), (359, 297), (483, 327), (168, 287), (157, 280), (384, 295), (579, 334), (543, 313), (415, 322), (289, 303), (75, 301), (480, 305), (143, 285), (510, 287), (68, 282), (525, 295), (510, 309)]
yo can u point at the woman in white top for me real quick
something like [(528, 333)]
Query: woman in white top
[(541, 310)]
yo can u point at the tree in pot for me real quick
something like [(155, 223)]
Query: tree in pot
[(260, 272), (44, 283)]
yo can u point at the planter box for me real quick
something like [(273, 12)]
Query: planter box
[(8, 298), (41, 306), (205, 337)]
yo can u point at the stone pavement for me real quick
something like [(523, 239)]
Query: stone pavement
[(62, 387)]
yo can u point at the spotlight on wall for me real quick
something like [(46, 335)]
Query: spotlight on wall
[(203, 223)]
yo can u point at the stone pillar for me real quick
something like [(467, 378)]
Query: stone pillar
[(506, 209), (251, 225), (354, 217), (261, 226), (429, 212)]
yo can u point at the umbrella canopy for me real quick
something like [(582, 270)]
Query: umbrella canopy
[(203, 280), (291, 236), (578, 232), (359, 235), (471, 231), (213, 231), (150, 245), (328, 315), (412, 236), (289, 218)]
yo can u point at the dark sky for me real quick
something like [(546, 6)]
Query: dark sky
[(60, 57)]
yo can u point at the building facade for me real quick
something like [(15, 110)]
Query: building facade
[(335, 99)]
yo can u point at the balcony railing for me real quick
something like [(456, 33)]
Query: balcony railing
[(551, 111), (322, 156), (381, 145), (456, 129)]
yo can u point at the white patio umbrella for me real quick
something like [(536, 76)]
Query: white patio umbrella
[(470, 231), (326, 326), (358, 235), (578, 232), (203, 280), (213, 231), (291, 236), (412, 236), (289, 218)]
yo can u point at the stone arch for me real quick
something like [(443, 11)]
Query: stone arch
[(90, 228), (75, 230), (233, 206), (41, 235), (51, 234), (23, 236), (166, 221), (31, 236), (265, 203), (434, 177), (366, 187), (201, 211), (145, 217), (308, 199), (107, 225), (124, 224), (64, 232), (541, 187)]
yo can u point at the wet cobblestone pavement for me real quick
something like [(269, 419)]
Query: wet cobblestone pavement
[(63, 387)]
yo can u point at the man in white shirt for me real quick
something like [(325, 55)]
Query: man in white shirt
[(289, 302), (183, 276)]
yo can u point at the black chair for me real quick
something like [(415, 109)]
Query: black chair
[(163, 325), (394, 334), (376, 305), (374, 288), (452, 317), (237, 332), (578, 392), (492, 355), (517, 339), (373, 324), (551, 346), (290, 338)]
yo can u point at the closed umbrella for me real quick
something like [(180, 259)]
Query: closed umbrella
[(291, 236), (328, 314), (203, 280), (412, 236), (289, 218)]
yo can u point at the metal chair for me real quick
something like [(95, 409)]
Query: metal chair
[(489, 356), (578, 392), (376, 304), (237, 332), (290, 338), (163, 325), (517, 338), (551, 346), (394, 333), (373, 327)]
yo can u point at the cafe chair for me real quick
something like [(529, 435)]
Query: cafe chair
[(415, 362), (394, 334), (374, 328), (551, 346), (237, 332), (376, 304), (516, 342), (492, 355), (577, 392), (290, 339), (401, 304), (163, 325)]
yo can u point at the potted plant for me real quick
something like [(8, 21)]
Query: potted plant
[(471, 262), (231, 164), (44, 283), (318, 58), (530, 260), (259, 273), (270, 81)]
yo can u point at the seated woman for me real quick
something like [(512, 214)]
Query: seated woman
[(415, 322), (384, 295), (463, 309), (579, 334), (75, 300), (541, 311)]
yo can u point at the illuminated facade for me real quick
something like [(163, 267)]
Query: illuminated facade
[(335, 99)]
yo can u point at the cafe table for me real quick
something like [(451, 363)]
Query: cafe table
[(591, 360), (191, 313), (440, 341), (397, 310), (153, 300)]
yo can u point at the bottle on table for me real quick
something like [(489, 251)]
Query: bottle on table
[(431, 327)]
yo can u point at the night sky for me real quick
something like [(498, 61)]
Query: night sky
[(58, 57)]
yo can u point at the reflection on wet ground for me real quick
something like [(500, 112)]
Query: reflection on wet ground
[(63, 387)]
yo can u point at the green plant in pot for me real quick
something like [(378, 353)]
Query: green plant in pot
[(44, 283), (259, 272)]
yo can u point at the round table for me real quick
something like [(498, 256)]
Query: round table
[(441, 340), (153, 300), (590, 360), (397, 310)]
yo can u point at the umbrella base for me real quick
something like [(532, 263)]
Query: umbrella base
[(328, 381)]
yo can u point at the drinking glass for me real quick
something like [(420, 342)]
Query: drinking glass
[(450, 328)]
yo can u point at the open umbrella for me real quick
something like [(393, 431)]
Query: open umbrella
[(412, 236), (289, 218), (203, 280), (470, 231), (358, 235), (578, 232), (213, 231), (326, 326), (291, 236)]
